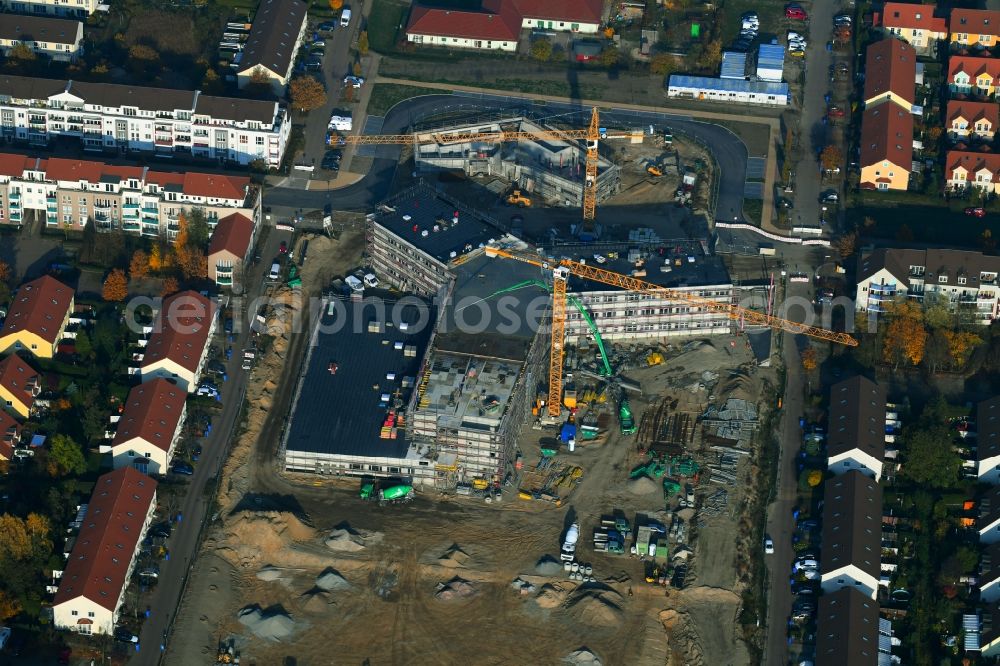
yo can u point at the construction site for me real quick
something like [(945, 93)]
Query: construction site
[(532, 452)]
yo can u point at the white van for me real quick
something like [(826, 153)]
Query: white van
[(354, 283), (345, 17), (275, 272)]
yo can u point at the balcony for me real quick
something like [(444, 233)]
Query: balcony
[(15, 216), (131, 215), (130, 206), (130, 226), (51, 220), (102, 206), (14, 196), (223, 279), (150, 210), (163, 142)]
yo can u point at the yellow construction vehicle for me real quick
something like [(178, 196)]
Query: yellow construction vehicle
[(654, 171), (654, 358), (515, 198), (480, 484)]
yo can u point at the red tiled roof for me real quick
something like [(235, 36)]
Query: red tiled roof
[(185, 322), (975, 21), (232, 234), (107, 541), (973, 111), (215, 185), (10, 430), (891, 66), (973, 66), (19, 379), (569, 11), (887, 134), (498, 21), (58, 168), (152, 411), (16, 165), (972, 163), (39, 307), (911, 17)]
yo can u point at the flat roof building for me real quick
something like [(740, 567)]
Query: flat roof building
[(705, 88)]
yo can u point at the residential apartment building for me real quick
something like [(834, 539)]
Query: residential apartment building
[(970, 75), (890, 74), (988, 440), (93, 584), (149, 427), (856, 427), (852, 534), (972, 121), (915, 24), (59, 39), (67, 8), (847, 629), (275, 36), (233, 238), (578, 16), (124, 119), (19, 385), (886, 148), (178, 347), (966, 280), (37, 317), (72, 193), (966, 169), (978, 28)]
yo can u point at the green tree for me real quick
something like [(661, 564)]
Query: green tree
[(64, 456), (937, 314), (541, 49), (931, 461), (198, 232), (662, 64), (22, 52), (610, 56), (82, 344), (964, 560)]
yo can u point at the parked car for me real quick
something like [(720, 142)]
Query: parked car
[(125, 635), (835, 112), (795, 12), (371, 280), (283, 247), (160, 530), (182, 468), (975, 212), (354, 81), (768, 546), (327, 26), (4, 636)]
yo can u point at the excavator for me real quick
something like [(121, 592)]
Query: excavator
[(515, 198), (563, 268)]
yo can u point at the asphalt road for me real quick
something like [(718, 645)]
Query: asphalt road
[(183, 543), (813, 132), (729, 151), (779, 517)]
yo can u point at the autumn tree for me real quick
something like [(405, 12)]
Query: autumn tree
[(307, 93), (662, 64), (610, 56), (960, 346), (847, 243), (155, 258), (143, 52), (9, 605), (115, 286), (712, 54), (192, 262), (5, 274), (356, 69), (22, 52), (809, 360), (259, 81), (138, 267), (541, 49), (170, 286), (831, 157), (198, 231), (363, 43), (335, 5), (906, 337), (64, 457), (25, 549)]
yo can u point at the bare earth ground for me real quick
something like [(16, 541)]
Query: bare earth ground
[(267, 550)]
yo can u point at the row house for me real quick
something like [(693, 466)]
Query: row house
[(852, 534), (971, 75), (59, 39), (974, 28), (178, 348), (37, 317), (72, 193), (149, 427), (279, 27), (988, 441), (968, 120), (964, 280), (988, 522), (20, 384), (847, 629), (10, 436), (965, 169), (887, 123), (124, 119), (914, 24), (856, 428)]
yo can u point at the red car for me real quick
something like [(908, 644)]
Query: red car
[(795, 12), (976, 212), (283, 248), (836, 112)]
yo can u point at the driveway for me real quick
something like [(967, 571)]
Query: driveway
[(779, 515), (813, 133), (729, 151), (183, 543)]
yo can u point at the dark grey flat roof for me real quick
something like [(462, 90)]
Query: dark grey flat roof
[(704, 271), (426, 209), (339, 414)]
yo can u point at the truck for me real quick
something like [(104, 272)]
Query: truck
[(625, 418), (568, 552), (397, 493)]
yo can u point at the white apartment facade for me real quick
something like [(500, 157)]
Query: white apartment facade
[(965, 280), (128, 119), (73, 193), (68, 8)]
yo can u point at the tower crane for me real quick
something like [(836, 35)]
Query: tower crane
[(563, 268), (592, 135)]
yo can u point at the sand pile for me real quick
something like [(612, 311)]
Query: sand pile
[(254, 536), (598, 608), (271, 626), (457, 588), (642, 486), (454, 557), (345, 540), (270, 574), (582, 657), (330, 580), (550, 596), (548, 566), (315, 601)]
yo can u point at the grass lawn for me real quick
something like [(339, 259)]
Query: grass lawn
[(385, 95), (753, 209), (770, 12), (385, 22), (931, 220)]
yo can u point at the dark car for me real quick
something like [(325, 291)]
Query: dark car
[(196, 451), (161, 530), (227, 326), (125, 635), (182, 468), (215, 367), (327, 26)]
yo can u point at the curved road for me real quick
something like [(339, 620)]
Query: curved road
[(729, 151)]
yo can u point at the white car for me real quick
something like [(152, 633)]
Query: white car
[(768, 546), (600, 258), (807, 565), (371, 280), (795, 37), (354, 283)]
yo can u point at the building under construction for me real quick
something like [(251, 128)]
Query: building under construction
[(551, 170)]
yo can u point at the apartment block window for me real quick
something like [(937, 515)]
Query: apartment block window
[(961, 280), (942, 278), (90, 613)]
